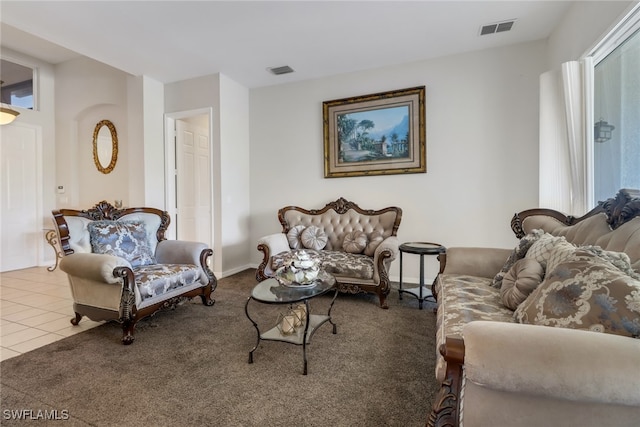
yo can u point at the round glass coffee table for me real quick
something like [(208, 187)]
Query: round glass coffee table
[(271, 291)]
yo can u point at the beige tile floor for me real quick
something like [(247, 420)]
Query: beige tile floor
[(35, 310)]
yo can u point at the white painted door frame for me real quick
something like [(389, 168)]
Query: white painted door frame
[(170, 159)]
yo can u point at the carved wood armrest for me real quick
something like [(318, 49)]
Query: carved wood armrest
[(446, 406)]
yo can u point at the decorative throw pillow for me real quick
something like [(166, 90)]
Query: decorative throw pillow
[(619, 259), (125, 239), (354, 242), (375, 239), (314, 238), (294, 236), (543, 247), (585, 292), (520, 281), (518, 253), (561, 251)]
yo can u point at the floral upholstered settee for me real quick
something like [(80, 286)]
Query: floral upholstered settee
[(547, 333), (121, 267), (355, 245)]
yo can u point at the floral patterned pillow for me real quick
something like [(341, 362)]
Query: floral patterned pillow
[(585, 292), (125, 239)]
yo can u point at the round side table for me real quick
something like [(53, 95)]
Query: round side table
[(419, 248)]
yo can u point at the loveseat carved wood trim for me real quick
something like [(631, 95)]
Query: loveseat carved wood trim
[(380, 285), (130, 311)]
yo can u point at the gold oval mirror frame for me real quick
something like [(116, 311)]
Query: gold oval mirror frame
[(105, 146)]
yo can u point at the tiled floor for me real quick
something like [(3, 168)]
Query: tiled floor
[(35, 309)]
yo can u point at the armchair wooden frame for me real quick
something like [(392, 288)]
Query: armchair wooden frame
[(105, 211)]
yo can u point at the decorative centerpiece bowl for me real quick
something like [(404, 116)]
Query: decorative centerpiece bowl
[(299, 269)]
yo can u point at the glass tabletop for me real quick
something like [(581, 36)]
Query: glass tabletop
[(272, 292)]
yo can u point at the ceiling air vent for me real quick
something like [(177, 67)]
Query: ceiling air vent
[(497, 27), (285, 69)]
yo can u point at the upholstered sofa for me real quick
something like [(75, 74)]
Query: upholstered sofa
[(545, 334), (121, 267), (355, 245)]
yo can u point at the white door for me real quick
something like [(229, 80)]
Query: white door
[(193, 183), (21, 234)]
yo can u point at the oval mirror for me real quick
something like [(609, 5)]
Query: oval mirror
[(105, 146)]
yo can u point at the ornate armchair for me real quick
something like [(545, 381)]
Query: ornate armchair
[(121, 267)]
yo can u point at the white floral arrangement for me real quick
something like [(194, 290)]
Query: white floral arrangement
[(298, 268)]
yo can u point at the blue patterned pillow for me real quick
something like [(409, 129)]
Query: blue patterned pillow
[(125, 239)]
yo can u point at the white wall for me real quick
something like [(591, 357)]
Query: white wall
[(482, 148), (235, 168), (88, 91), (229, 102)]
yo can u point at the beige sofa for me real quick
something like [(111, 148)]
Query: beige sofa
[(502, 361), (355, 245)]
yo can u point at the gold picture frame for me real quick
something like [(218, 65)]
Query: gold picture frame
[(378, 134), (105, 146)]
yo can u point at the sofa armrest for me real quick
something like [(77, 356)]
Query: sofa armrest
[(389, 245), (276, 243), (270, 245), (179, 252), (93, 267), (482, 262), (553, 362)]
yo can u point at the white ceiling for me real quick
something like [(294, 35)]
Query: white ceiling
[(176, 40)]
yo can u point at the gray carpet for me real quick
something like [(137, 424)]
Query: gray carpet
[(189, 366)]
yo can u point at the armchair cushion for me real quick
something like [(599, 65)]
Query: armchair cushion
[(124, 239), (158, 279)]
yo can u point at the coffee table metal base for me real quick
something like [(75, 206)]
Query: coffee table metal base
[(300, 337)]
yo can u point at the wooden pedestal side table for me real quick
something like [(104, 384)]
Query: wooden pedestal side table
[(421, 292)]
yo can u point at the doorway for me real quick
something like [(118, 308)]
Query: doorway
[(190, 172), (21, 188)]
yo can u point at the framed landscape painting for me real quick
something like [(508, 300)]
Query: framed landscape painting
[(378, 134)]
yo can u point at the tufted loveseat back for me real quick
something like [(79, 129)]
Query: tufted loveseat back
[(341, 217)]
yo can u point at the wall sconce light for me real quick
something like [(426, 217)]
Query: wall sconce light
[(7, 115), (602, 131)]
